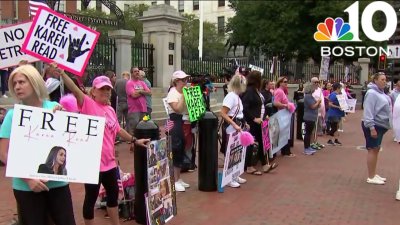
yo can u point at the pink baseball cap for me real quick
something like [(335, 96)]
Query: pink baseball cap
[(101, 81), (179, 74)]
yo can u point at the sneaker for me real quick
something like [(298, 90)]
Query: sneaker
[(240, 180), (337, 142), (314, 146), (320, 145), (330, 143), (185, 185), (4, 96), (380, 178), (398, 195), (309, 151), (179, 187), (234, 184), (340, 130), (375, 181)]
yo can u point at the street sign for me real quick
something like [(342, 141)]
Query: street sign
[(394, 52)]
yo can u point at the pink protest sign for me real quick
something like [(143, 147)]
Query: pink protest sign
[(56, 38), (265, 135), (11, 39)]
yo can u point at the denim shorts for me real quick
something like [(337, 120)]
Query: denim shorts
[(370, 142)]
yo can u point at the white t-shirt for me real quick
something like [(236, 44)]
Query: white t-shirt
[(174, 96), (232, 101)]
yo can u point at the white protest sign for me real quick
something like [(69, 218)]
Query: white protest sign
[(56, 38), (279, 130), (256, 68), (234, 159), (58, 146), (11, 39), (324, 70), (342, 99)]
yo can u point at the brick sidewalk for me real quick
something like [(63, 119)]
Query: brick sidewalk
[(328, 188)]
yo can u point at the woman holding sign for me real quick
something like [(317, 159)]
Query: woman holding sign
[(36, 199), (232, 113), (177, 107), (97, 104)]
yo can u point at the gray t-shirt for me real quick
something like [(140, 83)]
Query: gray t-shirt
[(120, 89), (309, 113)]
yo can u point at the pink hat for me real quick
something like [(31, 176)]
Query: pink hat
[(179, 74), (101, 81)]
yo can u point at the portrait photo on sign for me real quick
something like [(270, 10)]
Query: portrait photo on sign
[(274, 130), (55, 163), (59, 146), (168, 209), (165, 187)]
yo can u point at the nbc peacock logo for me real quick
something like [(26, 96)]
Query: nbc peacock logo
[(333, 30)]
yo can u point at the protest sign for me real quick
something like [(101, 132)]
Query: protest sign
[(256, 68), (11, 39), (194, 102), (161, 196), (342, 102), (279, 130), (265, 136), (42, 141), (324, 70), (56, 38), (351, 103), (234, 159)]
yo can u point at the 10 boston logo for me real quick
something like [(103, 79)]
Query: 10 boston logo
[(336, 30)]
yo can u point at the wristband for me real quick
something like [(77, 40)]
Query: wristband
[(133, 140)]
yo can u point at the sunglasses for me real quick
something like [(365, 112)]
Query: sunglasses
[(183, 80)]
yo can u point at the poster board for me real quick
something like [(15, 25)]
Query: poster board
[(161, 195), (324, 69), (265, 135), (38, 134), (194, 102), (256, 68), (54, 37), (234, 159), (11, 39), (279, 130)]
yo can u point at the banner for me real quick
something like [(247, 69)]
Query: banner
[(234, 159), (194, 102), (324, 69), (347, 104), (54, 37), (11, 39), (265, 136), (279, 130), (256, 68), (161, 197), (58, 146)]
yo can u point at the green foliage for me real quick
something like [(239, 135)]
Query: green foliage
[(286, 28), (213, 46)]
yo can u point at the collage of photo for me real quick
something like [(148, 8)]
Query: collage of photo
[(160, 192)]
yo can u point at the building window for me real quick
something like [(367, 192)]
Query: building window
[(154, 3), (221, 25), (181, 6), (60, 6), (98, 5), (195, 4), (221, 3), (167, 2)]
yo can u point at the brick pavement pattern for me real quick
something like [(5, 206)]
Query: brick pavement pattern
[(327, 188)]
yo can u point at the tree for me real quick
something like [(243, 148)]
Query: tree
[(213, 46), (285, 28)]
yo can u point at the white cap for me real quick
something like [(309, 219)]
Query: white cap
[(179, 74)]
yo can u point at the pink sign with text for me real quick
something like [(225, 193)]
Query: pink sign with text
[(265, 135), (56, 38)]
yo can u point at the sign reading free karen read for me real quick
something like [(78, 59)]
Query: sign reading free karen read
[(60, 146), (56, 38)]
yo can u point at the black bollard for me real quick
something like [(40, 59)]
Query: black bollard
[(208, 152), (299, 118), (144, 129)]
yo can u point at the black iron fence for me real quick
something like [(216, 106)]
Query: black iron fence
[(296, 72), (102, 59), (142, 57)]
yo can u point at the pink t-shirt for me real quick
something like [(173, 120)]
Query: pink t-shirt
[(280, 96), (90, 107), (138, 104)]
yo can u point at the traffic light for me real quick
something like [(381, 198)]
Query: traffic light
[(382, 62)]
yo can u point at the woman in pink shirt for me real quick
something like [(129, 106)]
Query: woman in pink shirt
[(281, 101), (98, 104)]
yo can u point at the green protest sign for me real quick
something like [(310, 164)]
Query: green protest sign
[(194, 102)]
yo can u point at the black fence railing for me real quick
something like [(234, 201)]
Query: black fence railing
[(142, 57), (296, 72)]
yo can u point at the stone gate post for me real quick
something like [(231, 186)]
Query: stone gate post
[(123, 54)]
